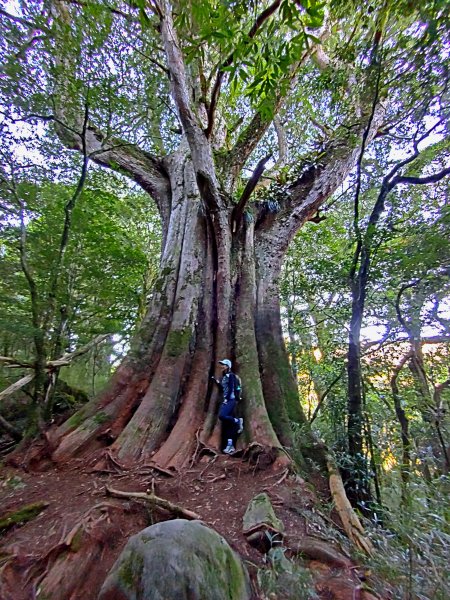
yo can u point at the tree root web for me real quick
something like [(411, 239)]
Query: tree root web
[(65, 565)]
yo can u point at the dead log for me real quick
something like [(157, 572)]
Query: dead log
[(350, 522)]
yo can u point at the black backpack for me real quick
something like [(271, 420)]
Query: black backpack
[(237, 386)]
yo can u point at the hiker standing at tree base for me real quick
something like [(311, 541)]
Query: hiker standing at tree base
[(231, 388)]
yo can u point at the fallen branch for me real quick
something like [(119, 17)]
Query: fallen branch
[(16, 386), (156, 501), (214, 479), (67, 358), (14, 362), (350, 522), (64, 360)]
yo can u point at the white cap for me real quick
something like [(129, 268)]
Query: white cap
[(225, 362)]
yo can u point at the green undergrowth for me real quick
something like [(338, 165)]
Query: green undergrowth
[(283, 578), (412, 548)]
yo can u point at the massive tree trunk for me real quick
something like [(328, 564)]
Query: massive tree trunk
[(217, 293), (162, 391), (216, 296)]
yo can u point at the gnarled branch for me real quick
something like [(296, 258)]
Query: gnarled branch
[(112, 152)]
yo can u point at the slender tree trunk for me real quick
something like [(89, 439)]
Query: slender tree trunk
[(404, 426)]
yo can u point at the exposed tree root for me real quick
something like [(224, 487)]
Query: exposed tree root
[(63, 570), (210, 464), (157, 502), (350, 522), (316, 549), (263, 457), (200, 449), (108, 463), (155, 467)]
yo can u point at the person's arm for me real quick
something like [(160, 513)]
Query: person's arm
[(216, 381)]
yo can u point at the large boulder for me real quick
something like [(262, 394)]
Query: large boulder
[(177, 560)]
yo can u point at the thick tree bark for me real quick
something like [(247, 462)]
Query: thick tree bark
[(217, 292), (216, 296)]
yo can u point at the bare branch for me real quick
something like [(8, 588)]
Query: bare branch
[(282, 144), (15, 362), (325, 394), (434, 178), (67, 358), (21, 21), (16, 386), (251, 184), (64, 360)]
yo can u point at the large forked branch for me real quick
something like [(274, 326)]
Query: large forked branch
[(259, 21), (253, 132), (112, 152), (118, 155), (200, 147), (317, 183)]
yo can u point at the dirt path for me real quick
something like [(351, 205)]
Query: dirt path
[(218, 489)]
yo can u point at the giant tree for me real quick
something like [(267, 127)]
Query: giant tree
[(182, 99)]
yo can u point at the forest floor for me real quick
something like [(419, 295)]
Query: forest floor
[(217, 488)]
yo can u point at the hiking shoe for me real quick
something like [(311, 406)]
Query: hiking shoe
[(229, 450), (241, 426)]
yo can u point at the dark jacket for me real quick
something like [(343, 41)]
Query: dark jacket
[(228, 383)]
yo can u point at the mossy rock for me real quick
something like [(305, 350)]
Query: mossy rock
[(260, 512), (179, 559), (22, 515), (261, 526)]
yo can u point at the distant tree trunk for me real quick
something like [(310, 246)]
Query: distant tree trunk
[(357, 476), (429, 395), (404, 426)]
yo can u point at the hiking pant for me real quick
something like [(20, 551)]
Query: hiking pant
[(226, 416)]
